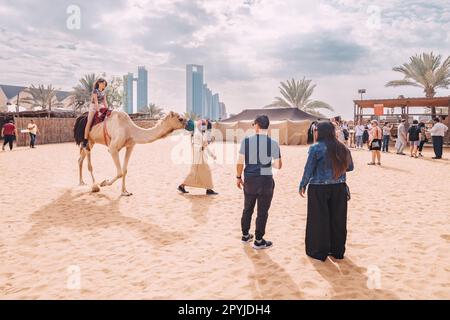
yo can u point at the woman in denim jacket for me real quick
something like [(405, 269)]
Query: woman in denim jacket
[(325, 173)]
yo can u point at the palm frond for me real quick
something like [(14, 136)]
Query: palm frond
[(297, 94)]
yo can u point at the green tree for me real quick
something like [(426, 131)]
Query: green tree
[(297, 94), (82, 92), (425, 71), (191, 115), (41, 96), (153, 111)]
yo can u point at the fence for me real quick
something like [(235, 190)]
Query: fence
[(56, 130)]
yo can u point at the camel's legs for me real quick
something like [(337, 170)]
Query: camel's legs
[(115, 155), (125, 170), (91, 170), (80, 165)]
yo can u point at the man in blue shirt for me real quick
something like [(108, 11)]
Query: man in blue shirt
[(257, 153)]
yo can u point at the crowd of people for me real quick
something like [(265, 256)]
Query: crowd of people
[(377, 136)]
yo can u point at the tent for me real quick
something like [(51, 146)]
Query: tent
[(289, 126)]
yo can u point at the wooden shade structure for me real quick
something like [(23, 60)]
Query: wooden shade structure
[(375, 105)]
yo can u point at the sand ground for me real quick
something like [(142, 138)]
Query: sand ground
[(159, 244)]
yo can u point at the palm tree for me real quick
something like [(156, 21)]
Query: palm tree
[(424, 71), (297, 94), (41, 96), (191, 115), (82, 92), (153, 111)]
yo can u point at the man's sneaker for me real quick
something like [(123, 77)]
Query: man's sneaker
[(262, 244), (247, 238), (182, 189)]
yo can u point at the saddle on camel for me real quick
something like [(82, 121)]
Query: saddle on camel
[(99, 117)]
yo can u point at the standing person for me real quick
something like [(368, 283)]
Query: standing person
[(386, 136), (98, 101), (437, 136), (345, 133), (351, 131), (311, 133), (422, 137), (209, 130), (33, 130), (413, 137), (257, 153), (200, 174), (359, 132), (375, 141), (401, 137), (325, 174), (366, 136), (9, 132)]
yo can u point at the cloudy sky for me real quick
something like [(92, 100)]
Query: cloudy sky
[(246, 46)]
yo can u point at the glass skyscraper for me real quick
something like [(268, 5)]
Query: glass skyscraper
[(200, 100), (215, 107), (207, 102), (142, 88), (194, 89), (128, 93)]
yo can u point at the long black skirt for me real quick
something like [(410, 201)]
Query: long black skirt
[(326, 226)]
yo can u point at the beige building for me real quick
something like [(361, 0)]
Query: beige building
[(9, 96)]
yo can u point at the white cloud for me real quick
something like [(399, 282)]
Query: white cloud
[(247, 47)]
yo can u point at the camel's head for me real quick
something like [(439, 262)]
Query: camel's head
[(175, 121)]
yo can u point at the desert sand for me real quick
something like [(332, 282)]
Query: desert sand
[(159, 244)]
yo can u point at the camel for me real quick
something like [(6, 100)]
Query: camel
[(121, 132)]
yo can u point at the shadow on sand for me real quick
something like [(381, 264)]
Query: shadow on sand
[(393, 169), (200, 205), (92, 211), (270, 280), (349, 281)]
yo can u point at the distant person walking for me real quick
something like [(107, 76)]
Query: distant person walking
[(33, 131), (386, 136), (259, 153), (359, 132), (401, 137), (351, 132), (437, 136), (9, 133), (325, 177), (413, 137), (375, 141), (423, 137), (200, 174), (366, 136), (345, 132)]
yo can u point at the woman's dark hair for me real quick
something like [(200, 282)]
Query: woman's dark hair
[(336, 151), (97, 83)]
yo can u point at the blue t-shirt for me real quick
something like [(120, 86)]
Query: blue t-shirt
[(259, 150)]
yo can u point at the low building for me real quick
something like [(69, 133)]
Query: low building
[(11, 96)]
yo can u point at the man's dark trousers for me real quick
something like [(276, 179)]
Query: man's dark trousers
[(257, 189), (438, 143)]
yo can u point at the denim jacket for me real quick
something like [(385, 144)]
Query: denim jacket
[(318, 169)]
